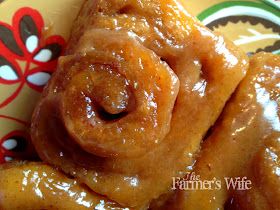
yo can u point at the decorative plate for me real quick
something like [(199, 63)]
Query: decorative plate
[(33, 35)]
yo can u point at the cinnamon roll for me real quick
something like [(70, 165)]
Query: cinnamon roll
[(32, 186), (139, 86), (243, 143)]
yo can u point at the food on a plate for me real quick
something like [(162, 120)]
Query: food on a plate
[(38, 186), (264, 167), (130, 102), (245, 142), (140, 85)]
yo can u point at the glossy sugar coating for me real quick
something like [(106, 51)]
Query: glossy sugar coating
[(243, 143), (39, 186), (140, 85)]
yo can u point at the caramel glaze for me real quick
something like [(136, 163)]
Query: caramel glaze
[(244, 143), (109, 117), (34, 186)]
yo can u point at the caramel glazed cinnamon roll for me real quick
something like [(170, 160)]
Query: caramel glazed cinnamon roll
[(245, 142), (140, 84)]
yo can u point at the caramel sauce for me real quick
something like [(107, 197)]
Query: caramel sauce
[(39, 186)]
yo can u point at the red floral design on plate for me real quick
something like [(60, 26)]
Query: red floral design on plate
[(16, 145), (26, 58), (22, 41)]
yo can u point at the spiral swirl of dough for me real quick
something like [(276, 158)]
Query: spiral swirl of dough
[(118, 97)]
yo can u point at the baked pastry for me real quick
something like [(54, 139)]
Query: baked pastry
[(31, 186), (243, 143), (130, 102)]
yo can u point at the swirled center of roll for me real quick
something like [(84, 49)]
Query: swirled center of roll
[(110, 90), (99, 93), (116, 100)]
